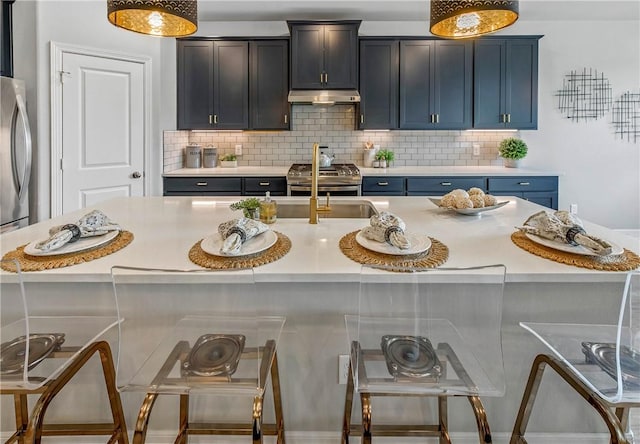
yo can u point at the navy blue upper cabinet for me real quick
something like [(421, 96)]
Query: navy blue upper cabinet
[(506, 83), (324, 55), (378, 84), (269, 76), (435, 84), (230, 85), (195, 84), (233, 84)]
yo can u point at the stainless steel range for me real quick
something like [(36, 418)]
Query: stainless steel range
[(339, 179)]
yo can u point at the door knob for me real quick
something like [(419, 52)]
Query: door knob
[(136, 175)]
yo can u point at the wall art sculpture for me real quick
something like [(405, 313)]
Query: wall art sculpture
[(585, 95), (626, 116)]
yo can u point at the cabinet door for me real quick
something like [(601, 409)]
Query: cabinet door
[(269, 73), (307, 61), (416, 72), (383, 186), (202, 186), (231, 85), (453, 69), (488, 81), (341, 56), (378, 84), (194, 84), (506, 83), (521, 92)]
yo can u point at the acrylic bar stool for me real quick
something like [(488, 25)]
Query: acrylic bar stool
[(424, 333), (44, 347), (600, 362), (189, 333)]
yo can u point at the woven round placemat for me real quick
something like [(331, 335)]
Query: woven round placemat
[(199, 257), (434, 257), (39, 263), (625, 261)]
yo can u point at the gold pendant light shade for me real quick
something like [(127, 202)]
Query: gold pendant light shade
[(166, 18), (470, 18)]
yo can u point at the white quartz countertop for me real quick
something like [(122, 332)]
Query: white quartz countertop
[(165, 228), (394, 171)]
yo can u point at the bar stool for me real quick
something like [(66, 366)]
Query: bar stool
[(600, 362), (199, 332), (425, 333), (44, 347)]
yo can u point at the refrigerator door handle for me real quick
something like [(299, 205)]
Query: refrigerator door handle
[(23, 182)]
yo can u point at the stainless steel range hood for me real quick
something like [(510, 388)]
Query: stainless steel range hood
[(324, 97)]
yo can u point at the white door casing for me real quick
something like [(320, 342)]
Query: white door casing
[(100, 126)]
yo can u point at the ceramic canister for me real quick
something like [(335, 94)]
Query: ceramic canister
[(193, 155), (210, 157)]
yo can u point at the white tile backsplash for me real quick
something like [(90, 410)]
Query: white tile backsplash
[(334, 127)]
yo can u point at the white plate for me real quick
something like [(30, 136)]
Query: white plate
[(471, 211), (419, 244), (575, 249), (84, 243), (212, 244)]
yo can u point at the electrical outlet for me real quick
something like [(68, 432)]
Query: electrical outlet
[(573, 208), (476, 149), (343, 369), (238, 150)]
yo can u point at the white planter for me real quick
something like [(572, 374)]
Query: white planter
[(511, 163), (229, 163)]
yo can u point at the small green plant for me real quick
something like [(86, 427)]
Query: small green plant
[(512, 148), (248, 206), (387, 155), (229, 157)]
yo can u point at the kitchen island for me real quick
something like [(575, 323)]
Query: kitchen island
[(315, 284)]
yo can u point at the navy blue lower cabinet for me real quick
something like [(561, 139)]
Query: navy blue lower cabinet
[(383, 186), (258, 186), (542, 190), (439, 186), (202, 186)]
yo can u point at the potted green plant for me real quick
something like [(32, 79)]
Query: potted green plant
[(512, 150), (385, 157), (250, 207), (229, 161)]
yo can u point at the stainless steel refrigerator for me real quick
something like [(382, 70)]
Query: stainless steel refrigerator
[(15, 155)]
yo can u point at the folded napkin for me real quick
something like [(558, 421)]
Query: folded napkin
[(237, 231), (566, 228), (389, 228), (95, 223)]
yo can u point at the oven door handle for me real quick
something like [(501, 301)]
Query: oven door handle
[(326, 188)]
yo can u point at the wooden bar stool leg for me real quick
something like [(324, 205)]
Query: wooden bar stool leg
[(142, 423)]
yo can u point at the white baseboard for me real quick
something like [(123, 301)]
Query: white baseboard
[(294, 437)]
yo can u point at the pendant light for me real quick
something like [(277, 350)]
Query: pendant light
[(470, 18), (166, 18)]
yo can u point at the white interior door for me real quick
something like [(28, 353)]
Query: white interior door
[(103, 129)]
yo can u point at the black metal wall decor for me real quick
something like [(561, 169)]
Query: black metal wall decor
[(626, 116), (585, 95)]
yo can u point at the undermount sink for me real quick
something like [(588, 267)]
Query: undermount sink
[(341, 209)]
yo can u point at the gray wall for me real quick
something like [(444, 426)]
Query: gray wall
[(601, 173)]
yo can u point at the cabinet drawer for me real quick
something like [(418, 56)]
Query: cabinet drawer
[(523, 184), (417, 186), (205, 185), (386, 185), (257, 186)]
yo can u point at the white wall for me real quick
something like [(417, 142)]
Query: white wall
[(601, 174)]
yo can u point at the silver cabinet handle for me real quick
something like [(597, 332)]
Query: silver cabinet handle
[(430, 118), (286, 118), (265, 184), (326, 78), (445, 184), (136, 175), (383, 184), (361, 118), (215, 119), (201, 184), (524, 184), (437, 118), (508, 118)]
